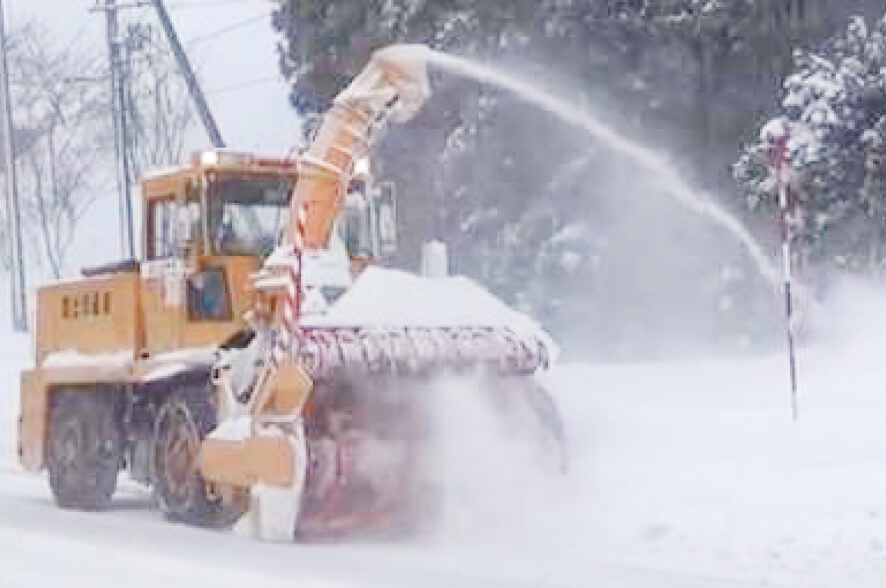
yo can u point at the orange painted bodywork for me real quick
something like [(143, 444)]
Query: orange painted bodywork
[(325, 171), (169, 327), (142, 317), (268, 460), (242, 464), (344, 137), (115, 329), (91, 316), (32, 421)]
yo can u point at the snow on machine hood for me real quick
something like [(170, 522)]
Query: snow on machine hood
[(388, 298)]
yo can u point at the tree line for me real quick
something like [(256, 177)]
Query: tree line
[(557, 223), (64, 132)]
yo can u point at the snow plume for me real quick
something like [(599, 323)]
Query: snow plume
[(617, 241), (645, 159), (663, 283), (497, 487), (852, 315)]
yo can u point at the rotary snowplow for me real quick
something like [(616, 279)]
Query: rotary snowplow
[(253, 363)]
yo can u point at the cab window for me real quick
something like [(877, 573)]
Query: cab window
[(161, 238), (208, 296), (246, 216)]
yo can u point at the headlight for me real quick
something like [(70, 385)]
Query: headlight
[(209, 158)]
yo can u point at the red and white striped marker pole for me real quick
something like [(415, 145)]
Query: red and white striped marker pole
[(285, 348), (782, 157)]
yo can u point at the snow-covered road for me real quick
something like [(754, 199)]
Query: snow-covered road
[(43, 546), (685, 474)]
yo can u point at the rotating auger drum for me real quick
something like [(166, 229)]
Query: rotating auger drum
[(369, 422), (366, 424)]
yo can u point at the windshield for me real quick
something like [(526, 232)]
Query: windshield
[(247, 215)]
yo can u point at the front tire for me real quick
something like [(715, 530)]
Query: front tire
[(182, 423), (85, 449)]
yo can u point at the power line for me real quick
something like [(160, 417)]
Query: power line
[(228, 28), (184, 65)]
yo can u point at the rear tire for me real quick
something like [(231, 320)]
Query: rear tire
[(182, 494), (85, 449)]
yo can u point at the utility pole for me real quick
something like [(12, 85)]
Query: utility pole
[(193, 85), (13, 216), (121, 133), (120, 101)]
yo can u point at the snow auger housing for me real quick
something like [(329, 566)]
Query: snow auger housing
[(212, 368)]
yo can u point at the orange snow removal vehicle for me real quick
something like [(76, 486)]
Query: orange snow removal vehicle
[(253, 365)]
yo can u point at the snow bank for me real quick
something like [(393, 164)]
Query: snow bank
[(695, 467), (80, 564)]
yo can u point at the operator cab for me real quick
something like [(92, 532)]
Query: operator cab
[(209, 225), (246, 215), (238, 205)]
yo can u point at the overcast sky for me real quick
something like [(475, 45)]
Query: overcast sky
[(255, 116), (237, 68)]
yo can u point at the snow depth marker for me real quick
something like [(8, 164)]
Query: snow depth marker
[(783, 170)]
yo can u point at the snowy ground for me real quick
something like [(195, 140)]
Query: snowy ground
[(684, 474)]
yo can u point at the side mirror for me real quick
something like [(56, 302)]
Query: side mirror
[(384, 200)]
